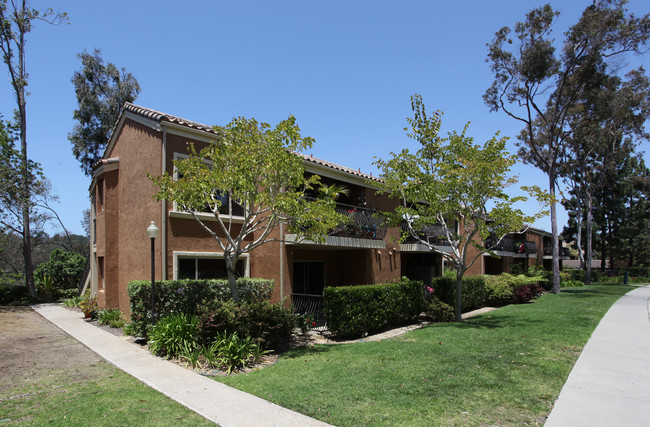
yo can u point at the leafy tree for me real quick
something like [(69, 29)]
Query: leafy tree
[(15, 22), (538, 87), (251, 168), (609, 121), (101, 92), (450, 179), (65, 268)]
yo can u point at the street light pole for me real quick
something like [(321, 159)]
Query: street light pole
[(152, 233)]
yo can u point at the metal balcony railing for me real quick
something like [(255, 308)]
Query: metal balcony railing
[(361, 223), (507, 244), (431, 234), (311, 307)]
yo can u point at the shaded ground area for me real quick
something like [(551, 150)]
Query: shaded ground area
[(30, 347)]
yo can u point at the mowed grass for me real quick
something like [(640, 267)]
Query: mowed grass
[(505, 367), (98, 395)]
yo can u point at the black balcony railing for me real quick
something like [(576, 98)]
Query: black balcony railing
[(507, 244), (433, 234), (362, 223), (310, 307)]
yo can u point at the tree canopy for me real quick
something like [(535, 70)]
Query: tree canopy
[(448, 180), (540, 87), (101, 92), (250, 172)]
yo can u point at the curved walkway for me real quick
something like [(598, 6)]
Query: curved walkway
[(610, 383), (215, 401)]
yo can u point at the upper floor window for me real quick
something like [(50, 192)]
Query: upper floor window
[(227, 206), (100, 195)]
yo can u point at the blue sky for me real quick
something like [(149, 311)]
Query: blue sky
[(345, 69)]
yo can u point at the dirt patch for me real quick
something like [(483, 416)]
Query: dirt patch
[(31, 347)]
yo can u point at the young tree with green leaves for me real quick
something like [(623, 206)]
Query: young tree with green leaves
[(251, 167), (101, 92), (16, 20), (539, 88), (448, 180)]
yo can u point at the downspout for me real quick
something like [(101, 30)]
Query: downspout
[(281, 261), (163, 240)]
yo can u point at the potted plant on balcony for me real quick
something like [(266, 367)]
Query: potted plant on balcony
[(88, 305)]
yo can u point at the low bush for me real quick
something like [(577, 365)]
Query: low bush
[(187, 296), (473, 292), (174, 334), (525, 293), (12, 288), (352, 311), (571, 284), (438, 311), (111, 317), (267, 323), (72, 302)]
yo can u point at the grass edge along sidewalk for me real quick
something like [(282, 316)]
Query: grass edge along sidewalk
[(505, 367)]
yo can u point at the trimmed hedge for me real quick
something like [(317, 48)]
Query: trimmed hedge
[(473, 294), (187, 297), (352, 311)]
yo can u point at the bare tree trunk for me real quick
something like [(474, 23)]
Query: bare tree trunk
[(458, 309), (231, 261), (25, 193), (589, 239), (556, 240)]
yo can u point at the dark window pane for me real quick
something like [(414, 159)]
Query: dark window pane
[(299, 277), (316, 278), (237, 209), (186, 268), (212, 268)]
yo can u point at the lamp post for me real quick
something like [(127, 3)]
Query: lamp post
[(152, 232)]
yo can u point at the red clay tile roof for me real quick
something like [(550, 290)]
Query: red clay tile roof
[(159, 116)]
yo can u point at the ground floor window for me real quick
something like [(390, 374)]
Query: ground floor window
[(308, 277), (206, 267)]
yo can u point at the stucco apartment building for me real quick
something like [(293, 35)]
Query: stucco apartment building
[(122, 207), (145, 141)]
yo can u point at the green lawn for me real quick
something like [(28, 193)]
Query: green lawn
[(505, 367), (97, 394)]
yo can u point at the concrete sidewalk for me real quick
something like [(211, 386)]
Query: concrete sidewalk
[(610, 383), (215, 401)]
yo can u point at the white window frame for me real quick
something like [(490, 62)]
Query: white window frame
[(209, 255), (203, 216)]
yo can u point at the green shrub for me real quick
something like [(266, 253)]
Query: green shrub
[(438, 311), (65, 268), (545, 276), (187, 296), (12, 288), (267, 323), (473, 292), (571, 284), (72, 302), (231, 352), (576, 274), (499, 289), (174, 334), (352, 311), (111, 317)]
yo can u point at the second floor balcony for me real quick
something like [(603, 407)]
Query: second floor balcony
[(361, 223)]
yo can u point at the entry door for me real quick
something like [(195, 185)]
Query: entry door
[(308, 277)]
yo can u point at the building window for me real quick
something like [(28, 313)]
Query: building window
[(228, 207), (206, 266), (308, 277), (100, 195), (100, 273)]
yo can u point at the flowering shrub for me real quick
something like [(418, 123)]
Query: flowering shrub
[(524, 293)]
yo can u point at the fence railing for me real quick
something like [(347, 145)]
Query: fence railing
[(431, 234), (311, 306)]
